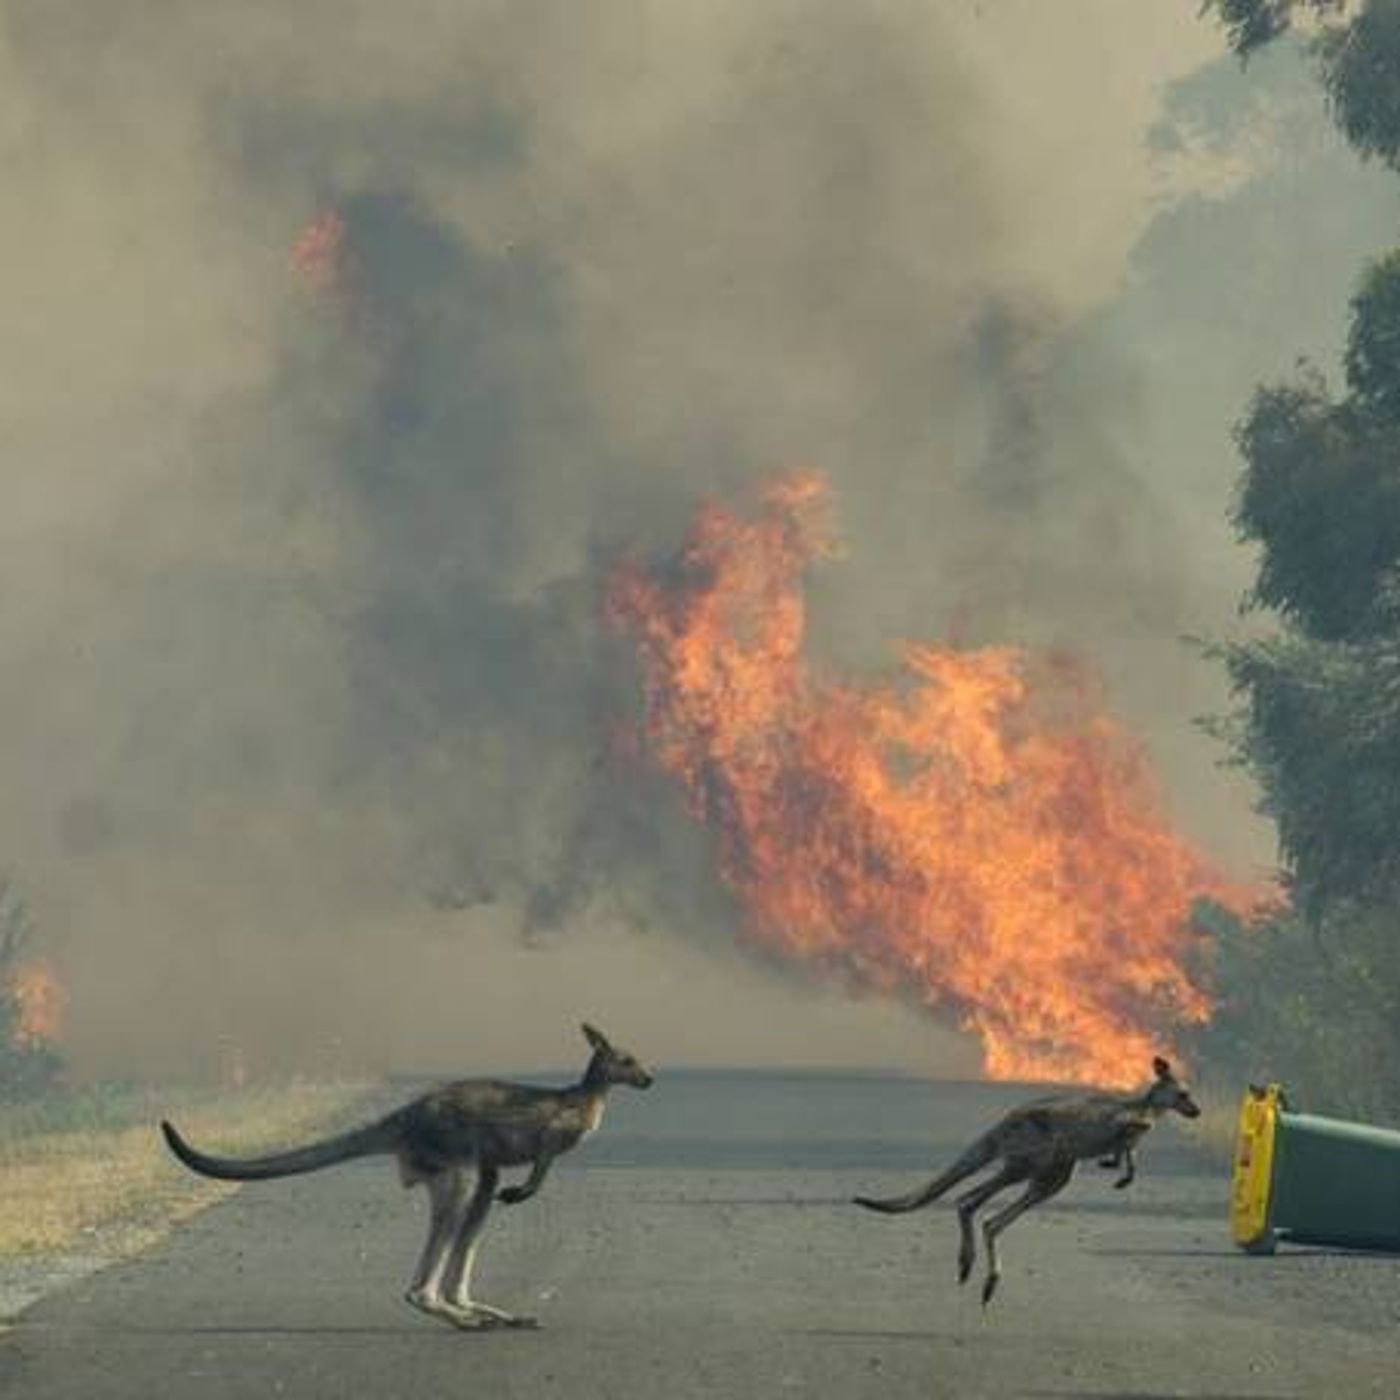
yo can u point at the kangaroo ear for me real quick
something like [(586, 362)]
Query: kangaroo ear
[(1161, 1068), (595, 1037)]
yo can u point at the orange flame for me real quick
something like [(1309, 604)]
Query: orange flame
[(973, 834), (320, 252), (38, 995)]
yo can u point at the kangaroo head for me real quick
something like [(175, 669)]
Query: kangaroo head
[(1168, 1094), (610, 1065)]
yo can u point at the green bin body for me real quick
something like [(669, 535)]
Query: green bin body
[(1336, 1183), (1313, 1180)]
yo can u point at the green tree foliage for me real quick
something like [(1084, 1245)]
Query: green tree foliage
[(1320, 497), (1361, 69), (1321, 504), (1373, 354)]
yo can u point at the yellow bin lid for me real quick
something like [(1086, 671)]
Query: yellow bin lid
[(1252, 1185)]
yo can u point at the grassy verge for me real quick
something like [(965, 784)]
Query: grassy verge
[(86, 1170)]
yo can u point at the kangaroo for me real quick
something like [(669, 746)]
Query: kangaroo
[(1041, 1143), (484, 1124)]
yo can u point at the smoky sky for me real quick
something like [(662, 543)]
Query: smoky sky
[(307, 716)]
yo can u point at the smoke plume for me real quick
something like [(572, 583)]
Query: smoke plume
[(349, 347)]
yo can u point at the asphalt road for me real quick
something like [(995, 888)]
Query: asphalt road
[(701, 1245)]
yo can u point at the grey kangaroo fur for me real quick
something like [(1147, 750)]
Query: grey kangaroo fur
[(483, 1124), (1041, 1143)]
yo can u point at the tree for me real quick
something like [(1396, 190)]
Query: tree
[(1313, 992), (1320, 497)]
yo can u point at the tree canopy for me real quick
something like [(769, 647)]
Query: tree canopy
[(1318, 989), (1320, 497), (1357, 47)]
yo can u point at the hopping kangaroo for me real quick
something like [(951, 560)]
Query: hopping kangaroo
[(1041, 1143), (482, 1124)]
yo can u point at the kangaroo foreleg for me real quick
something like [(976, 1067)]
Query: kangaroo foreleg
[(513, 1195), (969, 1203), (1129, 1169), (1123, 1159), (1040, 1189)]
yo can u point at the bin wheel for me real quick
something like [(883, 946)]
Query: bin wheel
[(1267, 1243)]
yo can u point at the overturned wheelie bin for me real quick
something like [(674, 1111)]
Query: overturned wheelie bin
[(1312, 1180)]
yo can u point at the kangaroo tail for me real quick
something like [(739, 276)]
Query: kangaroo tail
[(362, 1142), (973, 1160)]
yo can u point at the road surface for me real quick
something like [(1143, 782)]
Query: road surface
[(701, 1245)]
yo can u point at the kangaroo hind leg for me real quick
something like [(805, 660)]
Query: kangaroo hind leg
[(969, 1203), (1048, 1183), (447, 1204), (464, 1310)]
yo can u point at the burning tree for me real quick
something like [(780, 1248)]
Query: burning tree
[(29, 998)]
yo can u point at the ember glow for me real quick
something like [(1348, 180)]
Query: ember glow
[(38, 994), (320, 252), (973, 833)]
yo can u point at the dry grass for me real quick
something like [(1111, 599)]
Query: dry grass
[(90, 1173)]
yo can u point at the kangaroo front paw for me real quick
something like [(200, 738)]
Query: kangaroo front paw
[(965, 1263), (989, 1288)]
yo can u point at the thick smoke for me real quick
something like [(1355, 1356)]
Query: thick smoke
[(308, 722)]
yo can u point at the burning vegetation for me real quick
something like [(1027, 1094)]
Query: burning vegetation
[(31, 1005), (974, 833), (320, 253), (38, 1000)]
